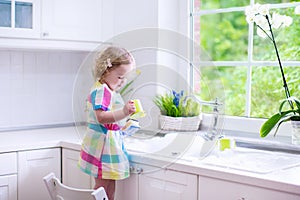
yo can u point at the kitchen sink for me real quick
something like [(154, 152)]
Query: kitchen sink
[(249, 155), (254, 155), (173, 145), (252, 160)]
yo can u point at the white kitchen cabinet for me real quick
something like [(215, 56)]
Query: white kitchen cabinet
[(167, 184), (8, 176), (148, 183), (55, 24), (32, 167), (127, 189), (8, 187), (20, 18), (72, 20), (211, 188), (71, 175)]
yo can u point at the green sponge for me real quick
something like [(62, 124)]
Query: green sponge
[(226, 143)]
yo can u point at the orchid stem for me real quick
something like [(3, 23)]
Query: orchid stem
[(287, 92), (264, 32)]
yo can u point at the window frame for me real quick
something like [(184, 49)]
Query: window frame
[(236, 123)]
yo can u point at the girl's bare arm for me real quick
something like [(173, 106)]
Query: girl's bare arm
[(106, 117)]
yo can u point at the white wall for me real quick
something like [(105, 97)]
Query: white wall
[(155, 31), (36, 87), (134, 14), (174, 16)]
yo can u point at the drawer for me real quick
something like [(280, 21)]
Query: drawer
[(8, 163), (227, 190)]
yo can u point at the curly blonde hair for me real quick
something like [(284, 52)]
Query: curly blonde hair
[(110, 58)]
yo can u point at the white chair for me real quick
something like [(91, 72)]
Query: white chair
[(59, 191)]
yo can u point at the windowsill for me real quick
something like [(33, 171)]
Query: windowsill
[(245, 131), (248, 128)]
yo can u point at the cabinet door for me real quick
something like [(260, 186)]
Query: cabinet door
[(71, 175), (164, 184), (127, 189), (71, 20), (10, 166), (32, 167), (20, 18), (8, 187), (228, 190)]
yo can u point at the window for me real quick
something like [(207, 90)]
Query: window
[(16, 14), (243, 69), (23, 15), (5, 13)]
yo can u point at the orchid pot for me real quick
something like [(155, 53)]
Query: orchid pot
[(296, 132), (291, 114)]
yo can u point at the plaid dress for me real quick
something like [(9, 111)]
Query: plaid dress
[(102, 152)]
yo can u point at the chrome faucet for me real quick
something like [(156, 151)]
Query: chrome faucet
[(212, 133)]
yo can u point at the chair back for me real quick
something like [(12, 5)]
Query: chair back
[(59, 191)]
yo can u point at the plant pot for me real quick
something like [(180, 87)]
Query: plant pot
[(180, 123), (295, 132)]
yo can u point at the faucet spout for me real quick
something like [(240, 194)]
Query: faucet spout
[(212, 133)]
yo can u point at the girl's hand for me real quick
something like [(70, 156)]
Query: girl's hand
[(129, 108)]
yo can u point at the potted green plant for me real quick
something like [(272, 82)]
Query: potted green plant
[(178, 112), (259, 14), (291, 114)]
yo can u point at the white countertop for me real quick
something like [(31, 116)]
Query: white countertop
[(38, 138), (287, 180)]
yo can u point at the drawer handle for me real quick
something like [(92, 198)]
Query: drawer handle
[(139, 170), (45, 34), (131, 168)]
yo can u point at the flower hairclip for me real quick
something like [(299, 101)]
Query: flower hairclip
[(109, 65)]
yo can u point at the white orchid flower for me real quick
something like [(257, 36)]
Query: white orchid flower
[(264, 9), (281, 21), (287, 21), (250, 18), (261, 21), (277, 20), (256, 8), (249, 11), (259, 14), (252, 10), (263, 34)]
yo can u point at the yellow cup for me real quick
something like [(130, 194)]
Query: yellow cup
[(139, 112), (226, 143)]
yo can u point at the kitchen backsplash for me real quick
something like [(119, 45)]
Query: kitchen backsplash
[(36, 87)]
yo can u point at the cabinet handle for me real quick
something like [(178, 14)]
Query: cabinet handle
[(242, 198), (45, 34), (131, 168), (139, 170)]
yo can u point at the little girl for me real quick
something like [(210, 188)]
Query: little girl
[(102, 153)]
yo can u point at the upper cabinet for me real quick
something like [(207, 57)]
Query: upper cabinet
[(71, 20), (20, 18), (53, 24)]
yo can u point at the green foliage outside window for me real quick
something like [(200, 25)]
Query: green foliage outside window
[(225, 37)]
